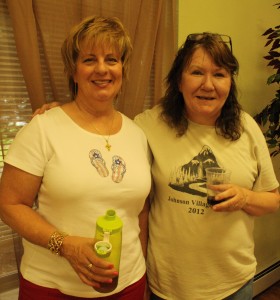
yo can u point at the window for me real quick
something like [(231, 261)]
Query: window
[(15, 111)]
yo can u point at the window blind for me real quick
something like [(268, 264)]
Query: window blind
[(15, 111)]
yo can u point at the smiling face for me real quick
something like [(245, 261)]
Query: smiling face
[(98, 74), (205, 88)]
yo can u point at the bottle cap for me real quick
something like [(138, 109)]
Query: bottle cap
[(110, 222), (103, 248)]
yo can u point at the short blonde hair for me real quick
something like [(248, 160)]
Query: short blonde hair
[(94, 30)]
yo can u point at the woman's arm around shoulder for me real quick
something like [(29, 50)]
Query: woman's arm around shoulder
[(45, 107)]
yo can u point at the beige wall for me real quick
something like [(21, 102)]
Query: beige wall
[(245, 21)]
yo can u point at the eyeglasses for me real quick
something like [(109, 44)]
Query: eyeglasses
[(196, 37)]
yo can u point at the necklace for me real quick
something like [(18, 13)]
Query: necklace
[(108, 146)]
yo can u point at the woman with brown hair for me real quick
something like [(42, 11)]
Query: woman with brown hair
[(197, 251)]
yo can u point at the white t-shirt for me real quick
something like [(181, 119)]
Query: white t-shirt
[(81, 180), (195, 253)]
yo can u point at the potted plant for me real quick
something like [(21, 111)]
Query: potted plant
[(269, 116)]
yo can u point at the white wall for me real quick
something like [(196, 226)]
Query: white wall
[(245, 21)]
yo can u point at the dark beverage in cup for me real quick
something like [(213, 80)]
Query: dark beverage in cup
[(215, 176), (211, 200)]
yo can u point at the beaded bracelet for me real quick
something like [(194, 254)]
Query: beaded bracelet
[(56, 241)]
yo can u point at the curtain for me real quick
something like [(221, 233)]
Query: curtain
[(40, 27)]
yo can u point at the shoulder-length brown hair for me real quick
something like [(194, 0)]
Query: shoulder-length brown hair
[(228, 123)]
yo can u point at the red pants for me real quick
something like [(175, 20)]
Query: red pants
[(30, 291)]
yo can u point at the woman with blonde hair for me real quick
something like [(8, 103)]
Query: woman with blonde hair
[(79, 159)]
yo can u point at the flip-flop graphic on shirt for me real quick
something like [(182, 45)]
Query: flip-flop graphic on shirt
[(118, 168), (98, 162)]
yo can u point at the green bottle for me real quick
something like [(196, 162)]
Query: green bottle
[(109, 243)]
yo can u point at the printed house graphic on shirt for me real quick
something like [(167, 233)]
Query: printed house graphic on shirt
[(190, 178)]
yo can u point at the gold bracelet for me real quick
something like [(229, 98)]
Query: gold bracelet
[(56, 241)]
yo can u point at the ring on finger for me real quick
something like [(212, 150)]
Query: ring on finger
[(89, 266)]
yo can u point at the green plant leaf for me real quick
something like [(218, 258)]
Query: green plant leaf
[(274, 62), (268, 57), (276, 44), (268, 42), (273, 78), (268, 31), (274, 53), (273, 35), (271, 143), (274, 153), (262, 117), (271, 113)]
